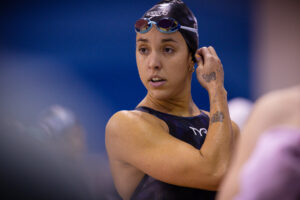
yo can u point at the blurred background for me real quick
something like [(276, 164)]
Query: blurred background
[(79, 56)]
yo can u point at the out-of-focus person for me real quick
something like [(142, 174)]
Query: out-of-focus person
[(50, 160), (267, 158), (65, 132), (63, 129), (31, 170)]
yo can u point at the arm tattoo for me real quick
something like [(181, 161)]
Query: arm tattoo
[(217, 117), (209, 77)]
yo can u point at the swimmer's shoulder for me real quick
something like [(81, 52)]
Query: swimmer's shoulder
[(121, 121), (128, 117), (129, 121), (129, 131)]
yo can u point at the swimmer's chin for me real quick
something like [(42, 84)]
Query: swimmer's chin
[(161, 95)]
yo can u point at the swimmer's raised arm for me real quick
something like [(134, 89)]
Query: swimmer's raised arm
[(222, 132)]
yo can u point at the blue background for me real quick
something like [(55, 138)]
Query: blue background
[(81, 55)]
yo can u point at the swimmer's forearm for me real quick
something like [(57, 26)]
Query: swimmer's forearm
[(217, 147)]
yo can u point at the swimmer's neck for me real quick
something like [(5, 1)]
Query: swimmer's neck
[(184, 107)]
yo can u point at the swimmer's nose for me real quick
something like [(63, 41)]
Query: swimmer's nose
[(154, 61)]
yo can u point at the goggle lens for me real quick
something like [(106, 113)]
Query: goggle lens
[(141, 25), (167, 25)]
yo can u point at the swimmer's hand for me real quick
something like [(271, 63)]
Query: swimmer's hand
[(209, 72)]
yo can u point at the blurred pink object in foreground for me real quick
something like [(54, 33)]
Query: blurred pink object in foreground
[(273, 170)]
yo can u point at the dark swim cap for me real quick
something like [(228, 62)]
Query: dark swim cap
[(177, 10)]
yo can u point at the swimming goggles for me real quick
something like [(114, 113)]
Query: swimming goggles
[(165, 25)]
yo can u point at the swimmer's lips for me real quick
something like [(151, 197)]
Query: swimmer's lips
[(157, 81)]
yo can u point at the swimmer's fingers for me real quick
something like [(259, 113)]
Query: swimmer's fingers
[(210, 71), (212, 51), (199, 58)]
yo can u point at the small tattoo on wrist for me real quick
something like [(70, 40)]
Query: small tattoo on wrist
[(217, 117), (209, 77)]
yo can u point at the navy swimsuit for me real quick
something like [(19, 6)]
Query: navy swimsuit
[(191, 130)]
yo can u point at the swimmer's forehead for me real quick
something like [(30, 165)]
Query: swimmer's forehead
[(163, 37), (146, 40)]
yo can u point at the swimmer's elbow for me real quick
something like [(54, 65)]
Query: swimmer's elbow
[(211, 175), (216, 172), (216, 179), (212, 184)]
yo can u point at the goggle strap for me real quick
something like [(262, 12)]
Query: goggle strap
[(189, 29)]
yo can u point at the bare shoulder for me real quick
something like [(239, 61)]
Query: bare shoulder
[(120, 119), (120, 125), (128, 129), (125, 120)]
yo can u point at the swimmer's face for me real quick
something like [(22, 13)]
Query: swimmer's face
[(164, 63)]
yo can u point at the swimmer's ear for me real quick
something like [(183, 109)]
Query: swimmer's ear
[(191, 63)]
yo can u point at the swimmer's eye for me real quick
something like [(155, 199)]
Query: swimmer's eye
[(143, 50), (168, 50)]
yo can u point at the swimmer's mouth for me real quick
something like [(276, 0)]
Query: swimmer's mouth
[(156, 79)]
